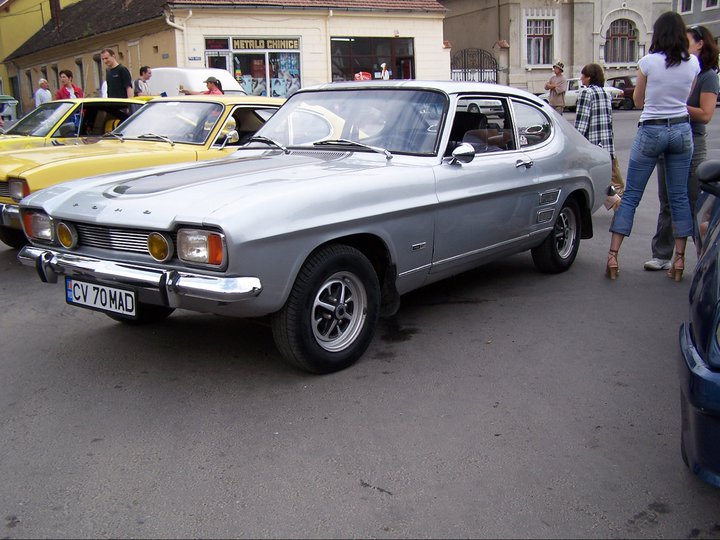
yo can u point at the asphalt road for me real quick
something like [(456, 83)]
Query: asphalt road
[(500, 403)]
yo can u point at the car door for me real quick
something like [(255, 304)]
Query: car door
[(485, 206)]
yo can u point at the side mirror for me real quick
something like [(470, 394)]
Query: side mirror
[(464, 153), (230, 138)]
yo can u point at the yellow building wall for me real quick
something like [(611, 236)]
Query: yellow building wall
[(150, 44), (19, 21)]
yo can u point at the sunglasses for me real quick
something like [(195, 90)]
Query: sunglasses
[(696, 32)]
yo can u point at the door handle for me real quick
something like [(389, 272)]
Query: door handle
[(527, 163)]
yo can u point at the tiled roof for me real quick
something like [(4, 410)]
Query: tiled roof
[(89, 18), (400, 5), (92, 17)]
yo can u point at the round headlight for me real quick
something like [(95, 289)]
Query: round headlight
[(160, 246), (67, 235)]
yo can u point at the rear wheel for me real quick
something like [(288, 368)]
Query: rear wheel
[(146, 314), (329, 318), (13, 237), (628, 104), (558, 251)]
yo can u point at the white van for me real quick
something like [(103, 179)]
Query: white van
[(169, 80)]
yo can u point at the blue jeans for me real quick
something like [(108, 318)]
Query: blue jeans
[(674, 142)]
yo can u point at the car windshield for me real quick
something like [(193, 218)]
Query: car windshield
[(180, 121), (40, 121), (401, 121)]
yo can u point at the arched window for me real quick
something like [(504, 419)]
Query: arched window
[(621, 42)]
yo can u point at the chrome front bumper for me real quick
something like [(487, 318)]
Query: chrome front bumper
[(10, 216), (171, 285)]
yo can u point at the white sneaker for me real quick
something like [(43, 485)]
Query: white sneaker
[(657, 264)]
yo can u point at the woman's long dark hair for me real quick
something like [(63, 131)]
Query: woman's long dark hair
[(709, 52), (670, 38)]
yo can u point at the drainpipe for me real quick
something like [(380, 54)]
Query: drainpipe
[(183, 29)]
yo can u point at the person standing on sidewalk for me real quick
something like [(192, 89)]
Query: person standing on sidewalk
[(701, 106), (556, 87)]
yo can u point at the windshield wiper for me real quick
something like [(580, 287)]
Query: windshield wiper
[(156, 136), (347, 142), (116, 135), (268, 140)]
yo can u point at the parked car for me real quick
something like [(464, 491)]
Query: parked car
[(169, 80), (574, 87), (351, 195), (700, 339), (626, 83), (63, 121), (166, 130), (7, 112)]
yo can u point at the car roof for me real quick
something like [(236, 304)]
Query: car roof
[(449, 87), (227, 99), (98, 100)]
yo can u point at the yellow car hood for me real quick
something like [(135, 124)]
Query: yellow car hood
[(17, 162)]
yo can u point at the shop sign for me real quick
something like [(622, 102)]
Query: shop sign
[(265, 43)]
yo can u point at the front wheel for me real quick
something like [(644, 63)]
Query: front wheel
[(628, 104), (329, 318), (558, 251)]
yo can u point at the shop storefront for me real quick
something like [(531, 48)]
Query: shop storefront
[(358, 58), (271, 65), (264, 66)]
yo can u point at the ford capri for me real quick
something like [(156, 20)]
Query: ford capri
[(65, 121), (165, 130), (351, 195)]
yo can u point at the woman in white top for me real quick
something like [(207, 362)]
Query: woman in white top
[(664, 79)]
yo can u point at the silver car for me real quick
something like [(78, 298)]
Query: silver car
[(351, 195)]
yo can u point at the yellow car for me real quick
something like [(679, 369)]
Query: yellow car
[(163, 131), (63, 121)]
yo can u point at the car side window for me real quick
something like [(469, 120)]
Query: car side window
[(484, 123), (533, 125)]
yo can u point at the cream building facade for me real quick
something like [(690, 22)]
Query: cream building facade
[(526, 37)]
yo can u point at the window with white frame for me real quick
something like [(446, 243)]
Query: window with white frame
[(709, 4), (539, 41), (685, 6), (621, 42)]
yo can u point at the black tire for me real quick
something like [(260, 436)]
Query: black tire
[(14, 238), (330, 316), (146, 314), (558, 251), (628, 104)]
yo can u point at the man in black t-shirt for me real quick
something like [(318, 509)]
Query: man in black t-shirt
[(119, 80)]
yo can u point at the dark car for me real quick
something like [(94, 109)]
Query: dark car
[(700, 339), (626, 83)]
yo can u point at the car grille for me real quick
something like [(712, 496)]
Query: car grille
[(4, 189), (115, 239)]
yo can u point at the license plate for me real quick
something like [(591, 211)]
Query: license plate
[(100, 297)]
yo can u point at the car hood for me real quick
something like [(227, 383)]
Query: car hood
[(211, 192), (17, 162), (14, 142)]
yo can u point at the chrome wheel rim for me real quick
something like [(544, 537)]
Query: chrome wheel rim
[(338, 311), (565, 233)]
